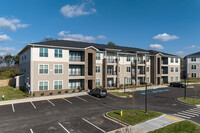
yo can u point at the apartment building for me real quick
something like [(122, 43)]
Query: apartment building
[(61, 64), (192, 65)]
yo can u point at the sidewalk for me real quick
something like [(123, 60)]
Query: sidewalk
[(149, 125), (31, 99)]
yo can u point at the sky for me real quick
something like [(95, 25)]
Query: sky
[(171, 26)]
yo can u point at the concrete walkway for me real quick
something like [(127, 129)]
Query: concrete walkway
[(149, 125), (31, 99)]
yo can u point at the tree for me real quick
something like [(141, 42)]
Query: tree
[(16, 59), (111, 43), (182, 64), (1, 60), (8, 60)]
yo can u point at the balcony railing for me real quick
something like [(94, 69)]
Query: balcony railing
[(111, 61), (141, 72), (75, 74), (140, 62), (112, 73), (75, 58), (164, 72)]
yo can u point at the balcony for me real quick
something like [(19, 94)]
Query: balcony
[(112, 73), (164, 61), (74, 58), (164, 71), (111, 61)]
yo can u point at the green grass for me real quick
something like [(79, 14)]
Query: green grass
[(179, 127), (190, 80), (10, 93), (131, 119), (189, 100), (119, 94)]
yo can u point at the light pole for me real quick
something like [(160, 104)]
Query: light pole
[(124, 84), (146, 98)]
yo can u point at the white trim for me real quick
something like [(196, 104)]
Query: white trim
[(43, 82), (58, 67), (96, 69), (99, 81), (43, 68), (58, 85), (58, 53), (92, 47)]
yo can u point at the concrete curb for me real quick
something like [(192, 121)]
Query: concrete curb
[(192, 105), (121, 96), (115, 120)]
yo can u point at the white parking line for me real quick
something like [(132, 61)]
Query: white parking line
[(33, 105), (67, 100), (81, 99), (63, 127), (182, 116), (13, 108), (192, 113), (31, 130), (51, 102), (94, 97), (110, 97), (94, 125)]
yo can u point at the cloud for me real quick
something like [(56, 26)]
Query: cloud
[(4, 38), (165, 37), (156, 47), (7, 49), (179, 53), (192, 47), (77, 10), (11, 24), (79, 37)]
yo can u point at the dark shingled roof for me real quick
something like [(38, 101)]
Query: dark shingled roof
[(76, 44), (194, 54), (154, 52)]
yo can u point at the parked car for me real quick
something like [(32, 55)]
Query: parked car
[(177, 84), (98, 92)]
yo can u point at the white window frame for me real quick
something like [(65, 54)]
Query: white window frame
[(99, 81), (58, 53), (148, 69), (43, 52), (58, 85), (172, 69), (39, 69), (98, 57), (129, 69), (176, 78), (128, 58), (172, 78), (192, 75), (172, 60), (176, 69), (192, 67), (43, 83), (99, 69), (58, 69)]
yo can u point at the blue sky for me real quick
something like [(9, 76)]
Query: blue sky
[(171, 26)]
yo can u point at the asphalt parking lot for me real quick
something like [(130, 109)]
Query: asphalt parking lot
[(84, 114)]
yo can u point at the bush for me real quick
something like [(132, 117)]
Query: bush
[(51, 93), (34, 94), (66, 91), (73, 91), (59, 92), (42, 94)]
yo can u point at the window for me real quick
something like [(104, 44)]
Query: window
[(128, 80), (98, 82), (58, 69), (147, 69), (176, 78), (43, 85), (193, 59), (172, 60), (172, 69), (58, 84), (98, 57), (43, 52), (172, 78), (58, 53), (128, 58), (43, 69), (193, 66), (74, 84), (75, 71), (147, 79), (128, 69), (193, 75), (176, 60), (176, 69), (98, 69), (148, 58)]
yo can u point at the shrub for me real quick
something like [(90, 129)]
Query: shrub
[(59, 92), (42, 94), (66, 91), (34, 94), (73, 91), (51, 93)]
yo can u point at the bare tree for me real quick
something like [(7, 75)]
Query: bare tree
[(8, 60)]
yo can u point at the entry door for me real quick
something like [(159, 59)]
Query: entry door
[(90, 84)]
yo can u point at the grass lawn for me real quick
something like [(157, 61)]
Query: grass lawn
[(10, 93), (189, 100), (119, 94), (179, 127), (131, 119), (190, 80)]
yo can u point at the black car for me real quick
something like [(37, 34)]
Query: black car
[(177, 84), (99, 92)]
